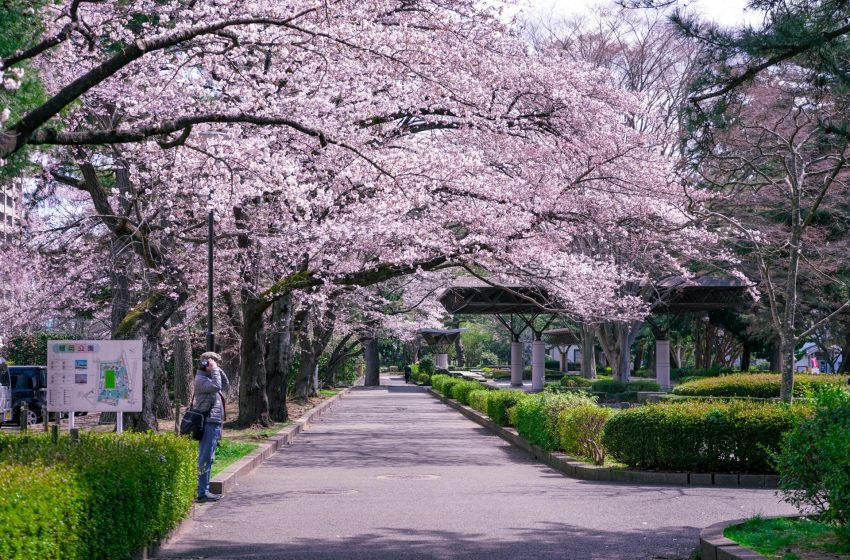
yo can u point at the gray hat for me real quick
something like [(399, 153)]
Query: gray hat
[(214, 355)]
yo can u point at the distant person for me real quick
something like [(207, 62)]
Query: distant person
[(210, 381), (407, 372)]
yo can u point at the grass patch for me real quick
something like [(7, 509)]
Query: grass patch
[(788, 539), (329, 392), (230, 451)]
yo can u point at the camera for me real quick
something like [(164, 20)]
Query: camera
[(204, 363)]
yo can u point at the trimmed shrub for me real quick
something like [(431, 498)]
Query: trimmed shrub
[(575, 381), (580, 431), (643, 385), (511, 413), (134, 488), (537, 416), (498, 403), (460, 391), (759, 385), (814, 462), (701, 436), (424, 378), (552, 364), (41, 512), (448, 384), (609, 386), (478, 399), (442, 371), (437, 381)]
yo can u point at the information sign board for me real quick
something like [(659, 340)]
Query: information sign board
[(94, 375)]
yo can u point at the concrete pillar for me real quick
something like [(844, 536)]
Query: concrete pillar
[(516, 364), (442, 361), (662, 363), (538, 364), (564, 360)]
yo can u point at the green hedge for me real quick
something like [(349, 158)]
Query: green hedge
[(478, 399), (701, 436), (575, 381), (437, 381), (537, 416), (448, 384), (133, 488), (460, 391), (41, 512), (424, 378), (814, 462), (498, 403), (581, 428), (614, 387), (759, 385)]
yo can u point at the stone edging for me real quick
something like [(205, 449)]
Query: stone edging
[(229, 477), (574, 468)]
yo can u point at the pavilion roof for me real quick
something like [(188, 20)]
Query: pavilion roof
[(439, 337), (491, 300)]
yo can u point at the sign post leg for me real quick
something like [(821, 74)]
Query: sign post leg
[(71, 420), (119, 422)]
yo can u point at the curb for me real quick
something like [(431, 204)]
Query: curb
[(574, 468), (228, 478)]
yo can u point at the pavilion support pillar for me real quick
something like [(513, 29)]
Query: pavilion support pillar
[(442, 361), (516, 363), (538, 364), (662, 363), (564, 360)]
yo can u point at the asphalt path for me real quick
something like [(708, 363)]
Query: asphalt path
[(392, 473)]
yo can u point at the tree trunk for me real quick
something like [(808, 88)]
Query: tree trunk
[(787, 344), (183, 370), (370, 350), (745, 356), (253, 400), (845, 353), (304, 379), (776, 356), (588, 352), (461, 355), (639, 355), (280, 358)]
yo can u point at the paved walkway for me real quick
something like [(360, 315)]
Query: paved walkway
[(392, 473)]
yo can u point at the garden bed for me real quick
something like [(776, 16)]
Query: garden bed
[(789, 539)]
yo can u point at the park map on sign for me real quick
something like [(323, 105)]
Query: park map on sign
[(114, 383)]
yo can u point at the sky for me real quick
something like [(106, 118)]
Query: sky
[(724, 12)]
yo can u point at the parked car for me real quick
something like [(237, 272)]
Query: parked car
[(5, 393), (29, 385)]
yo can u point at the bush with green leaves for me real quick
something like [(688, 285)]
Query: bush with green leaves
[(133, 489), (478, 399), (437, 381), (500, 401), (426, 365), (643, 385), (581, 428), (460, 391), (448, 384), (814, 462), (610, 386), (701, 436), (424, 378), (537, 416), (41, 512), (756, 385), (575, 381)]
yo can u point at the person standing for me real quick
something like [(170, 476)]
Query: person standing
[(407, 373), (210, 381)]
